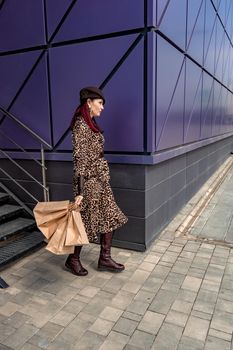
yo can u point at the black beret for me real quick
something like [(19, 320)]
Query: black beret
[(91, 92)]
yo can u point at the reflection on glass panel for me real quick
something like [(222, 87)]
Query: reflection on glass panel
[(192, 114), (219, 34), (195, 46), (209, 42), (161, 8), (220, 60), (223, 120), (226, 63), (217, 108), (229, 113), (222, 10), (229, 73), (173, 23), (229, 20), (194, 7), (207, 106), (216, 3), (226, 117)]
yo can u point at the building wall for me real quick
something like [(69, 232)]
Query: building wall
[(166, 71)]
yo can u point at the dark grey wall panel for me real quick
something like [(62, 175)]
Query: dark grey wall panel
[(149, 195)]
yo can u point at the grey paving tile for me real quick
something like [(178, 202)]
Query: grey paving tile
[(202, 306), (28, 346), (200, 314), (89, 341), (187, 343), (5, 331), (222, 321), (46, 335), (151, 322), (141, 340), (186, 295), (138, 307), (191, 283), (101, 327), (132, 316), (168, 337), (163, 301), (182, 306), (194, 272), (74, 331), (219, 334), (125, 326), (16, 320), (176, 318), (213, 343), (196, 328), (20, 336), (144, 296), (119, 338), (152, 285), (111, 314), (122, 299)]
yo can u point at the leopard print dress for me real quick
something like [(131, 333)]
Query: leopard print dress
[(99, 211)]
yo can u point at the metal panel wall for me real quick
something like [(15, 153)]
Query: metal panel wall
[(165, 67)]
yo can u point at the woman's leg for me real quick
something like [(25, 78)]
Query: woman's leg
[(105, 261), (73, 262)]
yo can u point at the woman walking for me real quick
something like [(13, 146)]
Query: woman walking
[(92, 189)]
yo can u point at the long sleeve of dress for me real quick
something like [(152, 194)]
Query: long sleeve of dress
[(81, 150)]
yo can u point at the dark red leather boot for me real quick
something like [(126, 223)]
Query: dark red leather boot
[(73, 263), (106, 263)]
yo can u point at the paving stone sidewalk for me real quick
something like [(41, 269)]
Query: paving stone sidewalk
[(176, 295)]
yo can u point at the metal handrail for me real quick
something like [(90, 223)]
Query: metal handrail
[(21, 148), (25, 127), (43, 144)]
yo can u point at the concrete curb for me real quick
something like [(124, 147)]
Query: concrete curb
[(184, 228)]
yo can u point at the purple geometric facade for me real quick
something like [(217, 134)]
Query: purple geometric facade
[(165, 68)]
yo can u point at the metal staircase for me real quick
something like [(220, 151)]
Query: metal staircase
[(18, 231)]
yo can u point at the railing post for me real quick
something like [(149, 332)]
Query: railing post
[(46, 192)]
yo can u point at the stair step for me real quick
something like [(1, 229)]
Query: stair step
[(4, 197), (8, 211), (20, 247), (10, 228)]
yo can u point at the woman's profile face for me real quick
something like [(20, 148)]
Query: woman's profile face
[(96, 106)]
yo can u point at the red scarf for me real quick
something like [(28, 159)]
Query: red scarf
[(83, 111)]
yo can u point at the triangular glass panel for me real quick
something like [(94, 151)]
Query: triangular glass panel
[(216, 108), (193, 10), (13, 71), (210, 19), (192, 113), (224, 116), (207, 106), (217, 3), (226, 63), (220, 59), (229, 22), (161, 9), (169, 64), (33, 108), (21, 24), (55, 10), (172, 128), (101, 17), (219, 35), (68, 77), (130, 137), (173, 23), (196, 42)]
